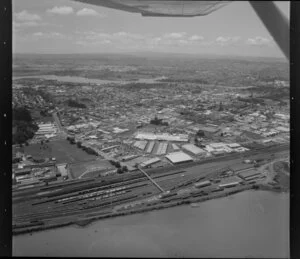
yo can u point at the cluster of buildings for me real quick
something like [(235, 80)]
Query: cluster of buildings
[(199, 123), (46, 131), (29, 99), (27, 175)]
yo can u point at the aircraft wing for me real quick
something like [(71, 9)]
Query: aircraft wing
[(169, 8)]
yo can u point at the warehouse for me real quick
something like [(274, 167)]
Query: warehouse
[(162, 148), (150, 162), (140, 144), (179, 157), (249, 173), (150, 147), (202, 184), (175, 147), (193, 149), (163, 136), (230, 181), (228, 185)]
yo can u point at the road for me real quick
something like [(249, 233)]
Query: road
[(58, 124)]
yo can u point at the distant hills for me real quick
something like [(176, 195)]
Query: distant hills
[(149, 54)]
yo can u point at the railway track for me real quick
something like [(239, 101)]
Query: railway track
[(79, 198)]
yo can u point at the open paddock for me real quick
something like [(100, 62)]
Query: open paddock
[(62, 150)]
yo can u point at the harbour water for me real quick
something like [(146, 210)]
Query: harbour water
[(248, 224), (85, 80)]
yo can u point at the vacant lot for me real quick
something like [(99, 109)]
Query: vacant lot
[(62, 150)]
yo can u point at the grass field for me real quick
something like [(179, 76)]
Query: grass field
[(62, 150)]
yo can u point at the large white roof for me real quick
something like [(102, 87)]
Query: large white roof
[(193, 149), (177, 157), (162, 136)]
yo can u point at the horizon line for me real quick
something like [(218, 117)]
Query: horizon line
[(150, 52)]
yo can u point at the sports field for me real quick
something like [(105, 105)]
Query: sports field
[(62, 150), (90, 168)]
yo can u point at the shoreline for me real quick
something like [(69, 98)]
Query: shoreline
[(161, 205)]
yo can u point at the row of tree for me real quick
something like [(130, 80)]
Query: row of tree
[(121, 169), (79, 145)]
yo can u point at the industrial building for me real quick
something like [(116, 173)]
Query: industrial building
[(230, 182), (150, 147), (249, 173), (194, 149), (179, 157), (162, 148), (175, 147), (163, 136), (202, 184), (150, 162), (140, 144)]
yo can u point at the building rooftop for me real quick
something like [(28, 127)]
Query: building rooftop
[(178, 157), (193, 149), (150, 162)]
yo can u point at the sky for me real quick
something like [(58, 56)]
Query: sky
[(65, 26)]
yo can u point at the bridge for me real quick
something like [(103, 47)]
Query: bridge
[(148, 176)]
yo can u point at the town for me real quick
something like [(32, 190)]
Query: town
[(144, 137)]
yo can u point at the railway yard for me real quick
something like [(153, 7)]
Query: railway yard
[(80, 201)]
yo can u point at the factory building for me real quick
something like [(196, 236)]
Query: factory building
[(150, 162), (179, 157), (163, 136), (194, 149), (175, 147), (162, 148), (202, 184), (140, 144), (150, 147)]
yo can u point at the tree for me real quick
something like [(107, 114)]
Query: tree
[(200, 133), (21, 114), (196, 140), (79, 144), (120, 171), (124, 168), (117, 164)]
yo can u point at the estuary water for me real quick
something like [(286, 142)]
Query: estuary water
[(247, 224), (85, 80)]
